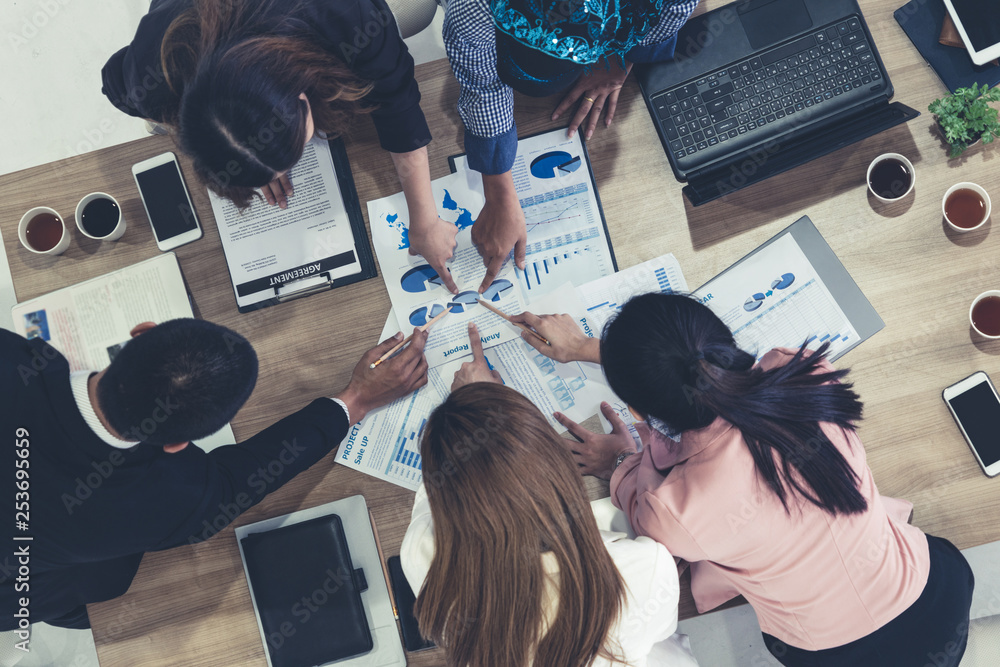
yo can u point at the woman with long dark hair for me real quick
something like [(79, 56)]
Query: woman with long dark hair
[(582, 49), (244, 83), (754, 474), (507, 557)]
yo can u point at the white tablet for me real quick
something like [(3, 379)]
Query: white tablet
[(978, 22)]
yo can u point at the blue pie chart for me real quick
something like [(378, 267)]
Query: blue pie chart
[(419, 279), (419, 317), (496, 290), (554, 163), (784, 281), (753, 303), (463, 300)]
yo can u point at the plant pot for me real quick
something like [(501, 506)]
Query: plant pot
[(944, 140)]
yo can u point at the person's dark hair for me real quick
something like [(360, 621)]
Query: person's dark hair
[(178, 381), (238, 75), (504, 492), (672, 358)]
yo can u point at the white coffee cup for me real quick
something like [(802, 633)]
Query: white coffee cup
[(115, 233), (975, 188), (22, 231), (975, 301), (883, 158)]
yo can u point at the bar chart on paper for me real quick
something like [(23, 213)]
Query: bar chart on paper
[(576, 258), (405, 461), (603, 298)]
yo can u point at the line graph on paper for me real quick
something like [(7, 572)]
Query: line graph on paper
[(559, 212)]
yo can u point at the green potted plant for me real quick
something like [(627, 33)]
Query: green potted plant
[(966, 117)]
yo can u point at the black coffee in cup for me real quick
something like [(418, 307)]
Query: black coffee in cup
[(890, 178), (100, 217)]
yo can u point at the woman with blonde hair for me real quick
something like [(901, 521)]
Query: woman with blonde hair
[(505, 552)]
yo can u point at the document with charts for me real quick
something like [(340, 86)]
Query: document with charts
[(416, 291), (567, 235), (775, 298), (386, 445)]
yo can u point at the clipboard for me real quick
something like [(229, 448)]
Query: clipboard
[(849, 297), (585, 157), (318, 275)]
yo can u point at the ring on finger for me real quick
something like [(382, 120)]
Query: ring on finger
[(589, 99)]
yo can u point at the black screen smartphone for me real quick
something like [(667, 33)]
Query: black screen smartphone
[(167, 201), (976, 408), (405, 599)]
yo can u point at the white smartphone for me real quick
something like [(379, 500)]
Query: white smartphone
[(976, 408), (167, 201)]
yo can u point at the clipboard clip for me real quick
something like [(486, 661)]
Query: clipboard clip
[(317, 283)]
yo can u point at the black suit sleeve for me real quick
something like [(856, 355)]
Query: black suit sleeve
[(364, 34), (133, 78), (237, 477)]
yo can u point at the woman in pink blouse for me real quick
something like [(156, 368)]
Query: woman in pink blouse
[(754, 474)]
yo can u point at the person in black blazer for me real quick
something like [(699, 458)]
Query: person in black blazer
[(102, 466)]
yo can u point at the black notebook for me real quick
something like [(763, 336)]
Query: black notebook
[(307, 593)]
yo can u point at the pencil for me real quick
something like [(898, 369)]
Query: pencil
[(385, 571), (406, 340), (520, 326)]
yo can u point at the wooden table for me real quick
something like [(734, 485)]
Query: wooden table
[(190, 606)]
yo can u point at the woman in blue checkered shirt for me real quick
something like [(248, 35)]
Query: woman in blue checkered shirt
[(539, 48)]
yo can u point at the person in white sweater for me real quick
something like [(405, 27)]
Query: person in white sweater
[(507, 558)]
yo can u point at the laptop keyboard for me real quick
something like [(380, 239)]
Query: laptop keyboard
[(812, 71)]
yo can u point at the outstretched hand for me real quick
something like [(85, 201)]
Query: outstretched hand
[(434, 240), (499, 227), (371, 388), (595, 453), (477, 370), (567, 342), (597, 92)]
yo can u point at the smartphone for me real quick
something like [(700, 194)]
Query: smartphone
[(403, 595), (976, 408), (167, 201)]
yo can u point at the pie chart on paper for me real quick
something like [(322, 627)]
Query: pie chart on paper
[(420, 279), (421, 316), (753, 303), (554, 163), (497, 290)]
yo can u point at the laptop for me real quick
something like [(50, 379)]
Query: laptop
[(758, 87)]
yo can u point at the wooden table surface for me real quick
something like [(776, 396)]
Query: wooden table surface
[(190, 606)]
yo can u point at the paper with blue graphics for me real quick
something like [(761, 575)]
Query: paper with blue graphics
[(386, 445), (416, 291), (567, 241), (775, 298), (603, 298)]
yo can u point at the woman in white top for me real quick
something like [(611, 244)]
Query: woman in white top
[(506, 555)]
